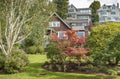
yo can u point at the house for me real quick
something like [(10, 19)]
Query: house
[(57, 24), (109, 13), (79, 19)]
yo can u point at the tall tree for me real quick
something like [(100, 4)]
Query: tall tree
[(18, 16), (62, 7), (95, 5), (15, 12), (104, 43), (42, 10)]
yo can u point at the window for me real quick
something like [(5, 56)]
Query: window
[(78, 27), (71, 10), (83, 17), (109, 18), (73, 16), (54, 24), (84, 11), (113, 7), (113, 13), (116, 18), (61, 35), (103, 12), (81, 33), (84, 24), (102, 18)]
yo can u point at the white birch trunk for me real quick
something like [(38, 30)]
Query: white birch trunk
[(14, 23)]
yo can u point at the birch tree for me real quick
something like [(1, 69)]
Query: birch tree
[(16, 18)]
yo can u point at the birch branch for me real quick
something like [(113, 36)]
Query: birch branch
[(22, 38), (1, 43)]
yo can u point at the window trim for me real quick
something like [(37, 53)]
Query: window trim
[(54, 24), (63, 35)]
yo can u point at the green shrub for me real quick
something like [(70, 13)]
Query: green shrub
[(112, 72), (59, 67), (90, 66), (53, 53), (118, 72), (2, 60), (29, 41), (40, 49), (103, 68), (17, 46), (16, 62), (104, 43), (31, 50)]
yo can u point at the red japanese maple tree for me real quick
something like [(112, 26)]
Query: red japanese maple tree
[(72, 44)]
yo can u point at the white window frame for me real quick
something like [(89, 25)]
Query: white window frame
[(61, 33), (54, 24)]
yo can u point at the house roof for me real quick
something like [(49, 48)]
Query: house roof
[(79, 8), (83, 8), (73, 6), (60, 19)]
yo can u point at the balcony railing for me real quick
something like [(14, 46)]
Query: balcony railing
[(78, 27)]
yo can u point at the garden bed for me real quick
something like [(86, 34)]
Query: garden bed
[(83, 69)]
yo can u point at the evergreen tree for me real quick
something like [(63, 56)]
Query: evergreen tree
[(95, 5), (62, 7)]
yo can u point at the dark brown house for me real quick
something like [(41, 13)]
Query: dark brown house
[(57, 24)]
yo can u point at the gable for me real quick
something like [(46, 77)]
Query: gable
[(58, 23)]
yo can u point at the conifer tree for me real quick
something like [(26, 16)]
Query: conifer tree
[(62, 8), (95, 5)]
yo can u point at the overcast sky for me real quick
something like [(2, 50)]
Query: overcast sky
[(86, 3)]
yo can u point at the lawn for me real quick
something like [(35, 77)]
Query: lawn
[(34, 69)]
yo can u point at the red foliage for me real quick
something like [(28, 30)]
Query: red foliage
[(72, 36), (69, 43), (82, 40), (54, 37), (70, 51)]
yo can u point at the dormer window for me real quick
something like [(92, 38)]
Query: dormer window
[(113, 7), (71, 10), (104, 6)]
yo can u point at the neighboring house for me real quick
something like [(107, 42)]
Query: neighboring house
[(109, 13), (57, 24), (79, 19)]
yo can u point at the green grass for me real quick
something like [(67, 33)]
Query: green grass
[(34, 69)]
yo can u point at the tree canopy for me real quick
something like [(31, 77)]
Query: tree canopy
[(95, 5), (104, 43), (62, 8), (18, 17)]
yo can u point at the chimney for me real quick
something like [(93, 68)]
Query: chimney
[(117, 5)]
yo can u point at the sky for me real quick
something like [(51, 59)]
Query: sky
[(86, 3)]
